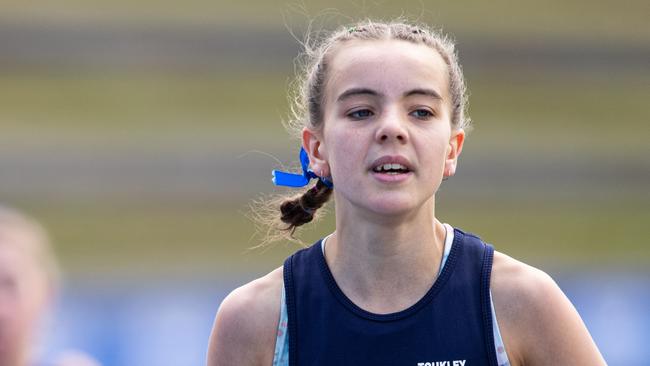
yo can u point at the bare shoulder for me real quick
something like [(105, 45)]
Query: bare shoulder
[(246, 323), (538, 323)]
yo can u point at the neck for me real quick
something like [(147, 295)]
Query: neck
[(385, 264)]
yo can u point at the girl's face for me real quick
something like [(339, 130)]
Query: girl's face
[(385, 102)]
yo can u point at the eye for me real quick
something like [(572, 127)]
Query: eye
[(422, 113), (360, 114)]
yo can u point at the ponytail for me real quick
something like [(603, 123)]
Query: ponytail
[(300, 210)]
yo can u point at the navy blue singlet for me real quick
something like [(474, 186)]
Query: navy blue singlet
[(451, 325)]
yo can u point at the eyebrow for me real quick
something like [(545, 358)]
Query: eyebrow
[(366, 91), (426, 92), (357, 91)]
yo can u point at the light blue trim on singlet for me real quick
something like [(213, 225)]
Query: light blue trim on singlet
[(281, 355)]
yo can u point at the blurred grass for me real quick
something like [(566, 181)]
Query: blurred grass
[(522, 113), (154, 239), (603, 115), (560, 234), (144, 239), (543, 113), (142, 109), (556, 19), (547, 114)]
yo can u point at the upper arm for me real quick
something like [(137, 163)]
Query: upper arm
[(232, 341), (558, 335), (540, 322), (245, 326)]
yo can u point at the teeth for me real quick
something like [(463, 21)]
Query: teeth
[(387, 167)]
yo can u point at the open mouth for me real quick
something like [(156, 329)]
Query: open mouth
[(391, 169)]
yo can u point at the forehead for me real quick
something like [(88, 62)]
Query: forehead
[(388, 66), (19, 245), (15, 261)]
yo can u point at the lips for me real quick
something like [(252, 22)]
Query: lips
[(392, 159)]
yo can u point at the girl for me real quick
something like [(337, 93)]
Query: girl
[(29, 281), (384, 122)]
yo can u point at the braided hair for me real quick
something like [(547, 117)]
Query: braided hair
[(301, 210)]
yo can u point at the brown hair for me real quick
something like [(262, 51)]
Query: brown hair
[(307, 98)]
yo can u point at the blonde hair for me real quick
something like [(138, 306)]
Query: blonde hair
[(37, 245)]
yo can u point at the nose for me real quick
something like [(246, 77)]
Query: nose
[(391, 128)]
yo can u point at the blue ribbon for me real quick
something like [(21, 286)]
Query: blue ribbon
[(298, 180)]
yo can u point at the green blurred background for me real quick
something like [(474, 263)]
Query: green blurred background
[(128, 127), (139, 131)]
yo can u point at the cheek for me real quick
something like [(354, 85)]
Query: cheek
[(438, 146), (346, 152), (441, 150), (13, 316), (436, 155)]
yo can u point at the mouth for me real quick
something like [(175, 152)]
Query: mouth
[(392, 165), (391, 169)]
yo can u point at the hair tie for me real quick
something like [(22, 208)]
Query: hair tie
[(298, 180)]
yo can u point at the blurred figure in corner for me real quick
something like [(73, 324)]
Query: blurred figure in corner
[(29, 278)]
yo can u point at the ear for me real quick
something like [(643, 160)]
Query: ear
[(313, 145), (453, 151)]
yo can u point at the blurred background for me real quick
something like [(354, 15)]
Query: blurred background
[(138, 132)]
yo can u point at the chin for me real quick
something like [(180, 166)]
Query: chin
[(392, 206), (396, 203)]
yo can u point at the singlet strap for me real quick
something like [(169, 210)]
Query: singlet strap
[(290, 305), (486, 303)]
